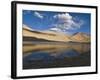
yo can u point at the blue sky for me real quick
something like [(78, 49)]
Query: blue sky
[(57, 21)]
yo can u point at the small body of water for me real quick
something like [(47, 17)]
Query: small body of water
[(50, 55)]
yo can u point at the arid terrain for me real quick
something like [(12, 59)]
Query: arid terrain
[(33, 35)]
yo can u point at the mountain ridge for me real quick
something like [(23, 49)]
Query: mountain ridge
[(53, 36)]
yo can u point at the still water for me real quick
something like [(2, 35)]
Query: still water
[(50, 55)]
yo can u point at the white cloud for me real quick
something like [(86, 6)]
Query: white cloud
[(64, 16), (37, 14), (55, 29), (66, 22)]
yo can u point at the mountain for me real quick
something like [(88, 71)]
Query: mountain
[(49, 36), (81, 37), (44, 35)]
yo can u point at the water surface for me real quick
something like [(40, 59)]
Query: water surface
[(50, 55)]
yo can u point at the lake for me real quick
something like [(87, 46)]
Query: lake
[(56, 55)]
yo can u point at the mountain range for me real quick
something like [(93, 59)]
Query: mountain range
[(30, 34)]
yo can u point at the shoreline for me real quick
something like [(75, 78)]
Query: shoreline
[(37, 42)]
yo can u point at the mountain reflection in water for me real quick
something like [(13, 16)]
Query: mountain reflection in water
[(50, 55)]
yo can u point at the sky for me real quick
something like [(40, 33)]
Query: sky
[(67, 22)]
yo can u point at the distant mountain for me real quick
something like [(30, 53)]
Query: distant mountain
[(81, 37), (33, 35)]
